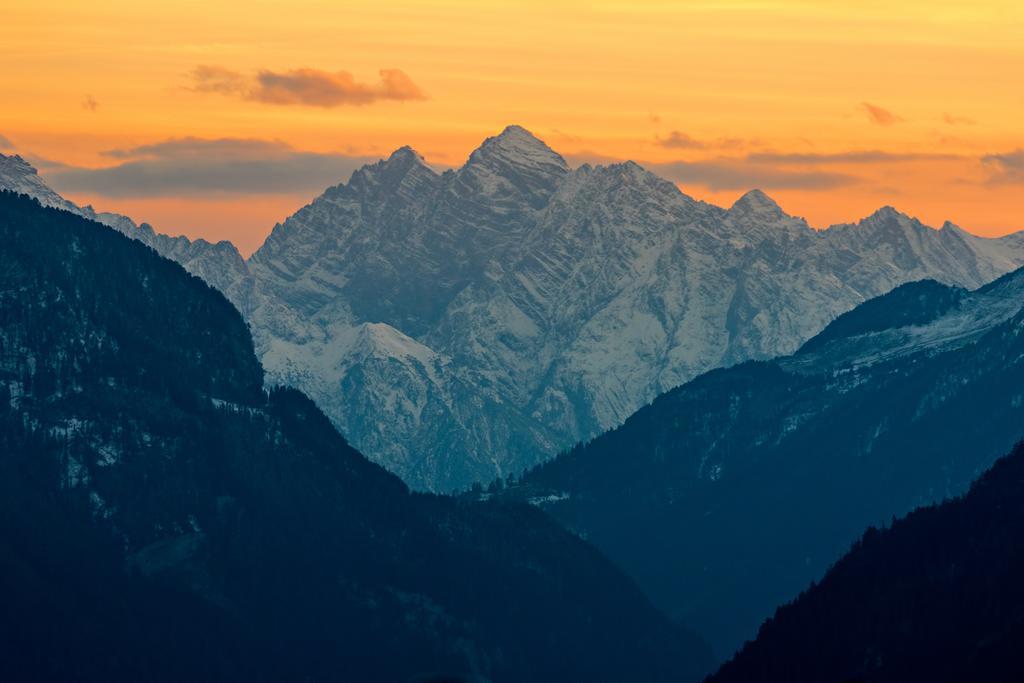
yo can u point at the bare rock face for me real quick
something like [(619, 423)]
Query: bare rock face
[(545, 305)]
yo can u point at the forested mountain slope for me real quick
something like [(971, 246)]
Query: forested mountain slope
[(163, 518), (727, 496), (935, 597)]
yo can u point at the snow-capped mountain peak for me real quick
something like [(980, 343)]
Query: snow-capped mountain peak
[(17, 175), (404, 173), (632, 173), (14, 163), (518, 147), (886, 212), (889, 219), (406, 152), (512, 164), (757, 203)]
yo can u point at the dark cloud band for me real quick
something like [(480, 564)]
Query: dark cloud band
[(680, 140), (851, 157), (733, 174), (309, 87), (1008, 168), (197, 167)]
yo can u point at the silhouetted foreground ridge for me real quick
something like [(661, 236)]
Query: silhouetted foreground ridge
[(164, 519), (936, 597)]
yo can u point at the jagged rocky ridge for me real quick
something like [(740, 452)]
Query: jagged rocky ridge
[(219, 263), (162, 518), (728, 495), (936, 597), (466, 325)]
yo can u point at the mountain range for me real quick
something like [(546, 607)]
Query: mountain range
[(164, 518), (471, 323), (466, 325), (728, 495)]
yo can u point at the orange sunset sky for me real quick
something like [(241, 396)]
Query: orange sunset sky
[(218, 119)]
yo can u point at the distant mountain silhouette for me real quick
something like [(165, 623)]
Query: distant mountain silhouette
[(162, 518)]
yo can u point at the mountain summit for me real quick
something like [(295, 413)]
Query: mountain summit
[(17, 175), (512, 171), (756, 202), (518, 147)]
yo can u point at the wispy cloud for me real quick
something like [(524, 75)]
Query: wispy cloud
[(849, 157), (44, 164), (680, 140), (880, 115), (952, 120), (204, 167), (1007, 169), (309, 87), (5, 143), (588, 156), (739, 174), (204, 148), (731, 173), (209, 78)]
